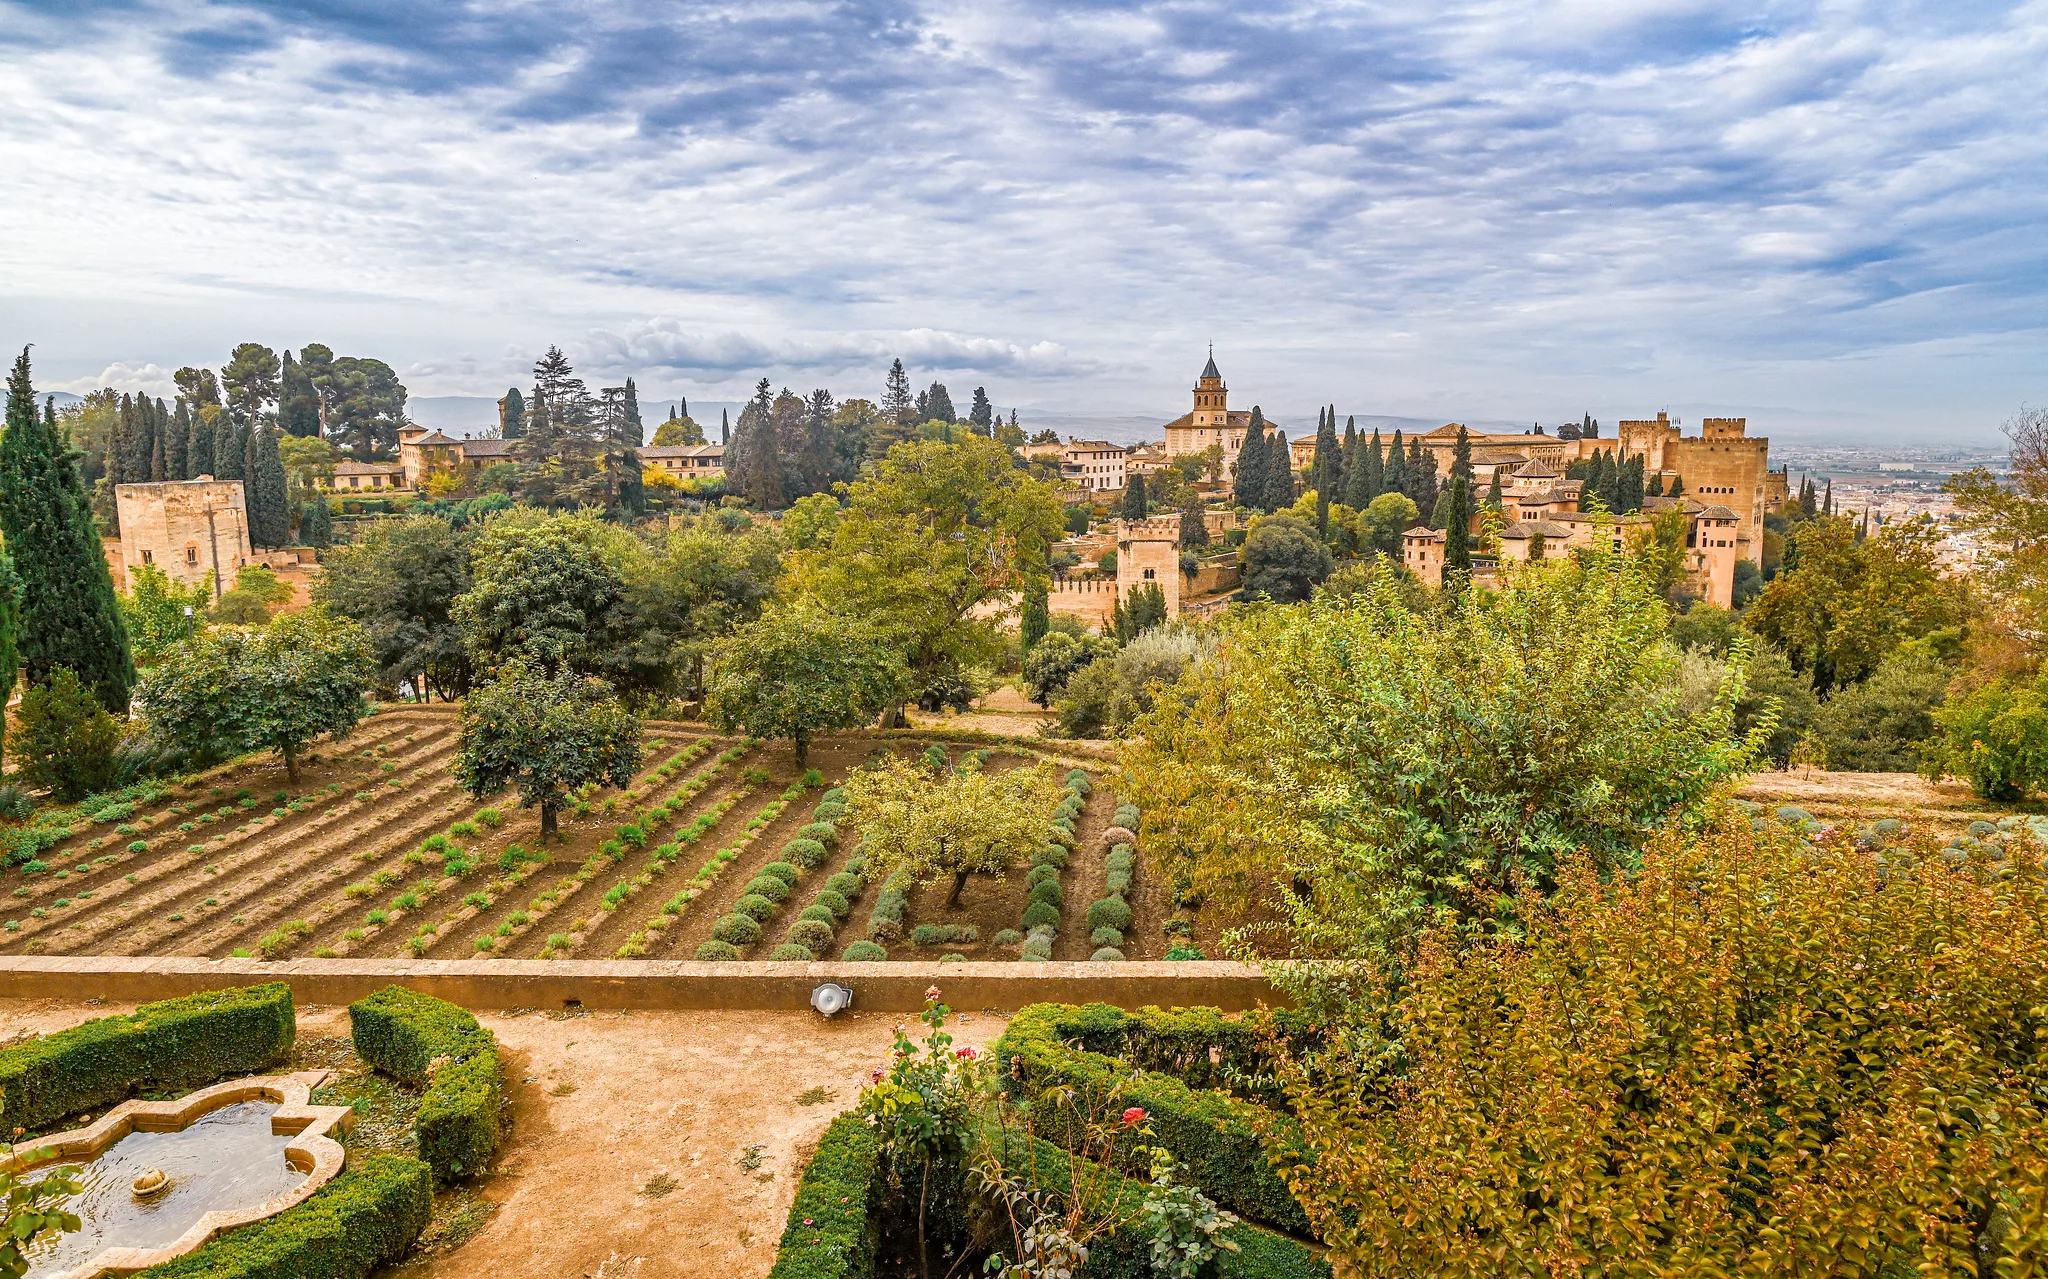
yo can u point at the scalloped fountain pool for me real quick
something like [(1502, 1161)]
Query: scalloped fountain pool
[(226, 1160)]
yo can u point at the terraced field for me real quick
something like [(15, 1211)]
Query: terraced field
[(377, 850)]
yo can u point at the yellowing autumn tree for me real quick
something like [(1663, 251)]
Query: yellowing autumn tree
[(969, 821)]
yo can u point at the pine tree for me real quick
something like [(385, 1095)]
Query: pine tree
[(1248, 483), (983, 414), (1134, 505), (630, 433), (1279, 494), (514, 424), (1194, 530), (753, 462), (897, 404), (1457, 521), (69, 616)]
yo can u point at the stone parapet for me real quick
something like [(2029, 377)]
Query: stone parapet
[(490, 985)]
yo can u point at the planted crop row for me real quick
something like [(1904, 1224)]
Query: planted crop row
[(771, 885), (811, 935)]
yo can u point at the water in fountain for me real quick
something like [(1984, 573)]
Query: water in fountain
[(225, 1160)]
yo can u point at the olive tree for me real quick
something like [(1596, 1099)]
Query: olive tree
[(544, 734), (968, 821), (799, 670)]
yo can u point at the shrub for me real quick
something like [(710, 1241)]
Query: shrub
[(835, 904), (1179, 952), (1049, 892), (754, 907), (811, 934), (775, 890), (421, 1040), (1126, 816), (1106, 937), (1119, 835), (1041, 913), (823, 914), (1077, 781), (791, 950), (1109, 912), (833, 1229), (831, 810), (864, 952), (1050, 855), (165, 1046), (1117, 882), (364, 1219), (846, 885), (823, 832), (1037, 948), (1107, 954), (941, 934), (837, 795), (1121, 857), (717, 950), (1007, 937), (783, 871), (807, 853), (739, 930)]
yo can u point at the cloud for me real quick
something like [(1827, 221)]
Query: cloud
[(1459, 207), (147, 379)]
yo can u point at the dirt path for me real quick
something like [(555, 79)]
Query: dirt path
[(1085, 877), (606, 1103)]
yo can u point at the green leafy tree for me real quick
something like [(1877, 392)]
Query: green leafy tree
[(1883, 724), (1056, 658), (64, 741), (540, 591), (1144, 609), (399, 580), (1379, 764), (931, 535), (545, 735), (69, 614), (1284, 559), (965, 822), (154, 611), (1841, 604), (2009, 516), (10, 635), (316, 523), (812, 521), (798, 671), (1996, 738), (280, 688), (1381, 524)]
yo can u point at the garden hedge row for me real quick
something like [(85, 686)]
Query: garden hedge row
[(403, 1033), (1161, 1061), (365, 1218), (175, 1043), (833, 1232)]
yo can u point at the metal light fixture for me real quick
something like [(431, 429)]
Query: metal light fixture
[(831, 999)]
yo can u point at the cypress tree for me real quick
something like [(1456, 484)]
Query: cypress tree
[(514, 424), (1827, 506), (178, 442), (1589, 487), (230, 448), (1035, 619), (1248, 482), (1350, 460), (1326, 467), (69, 616), (198, 445), (1493, 494), (270, 520), (1394, 476), (1134, 506), (1632, 485), (1194, 531), (298, 401), (10, 633), (1457, 521), (1422, 483), (1366, 474), (1655, 487), (1279, 494), (724, 428), (316, 526), (158, 428), (1677, 486)]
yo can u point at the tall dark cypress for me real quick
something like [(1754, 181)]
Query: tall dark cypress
[(230, 447), (1457, 521), (1350, 460), (198, 445), (513, 424), (69, 616), (1279, 493), (1421, 484), (1326, 466), (177, 441), (158, 424), (1366, 474), (1248, 482), (270, 517), (1394, 476), (632, 434), (10, 636)]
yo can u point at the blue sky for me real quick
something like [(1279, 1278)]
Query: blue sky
[(1831, 216)]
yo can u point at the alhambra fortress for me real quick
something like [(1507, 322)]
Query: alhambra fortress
[(199, 528)]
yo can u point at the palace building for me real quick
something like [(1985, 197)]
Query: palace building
[(1212, 423)]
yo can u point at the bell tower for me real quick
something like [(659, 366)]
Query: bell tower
[(1212, 408)]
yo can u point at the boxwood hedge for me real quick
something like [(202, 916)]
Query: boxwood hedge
[(365, 1218), (833, 1230), (1050, 1045), (171, 1044), (407, 1035)]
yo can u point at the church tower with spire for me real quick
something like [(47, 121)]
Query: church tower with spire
[(1212, 398), (1212, 424)]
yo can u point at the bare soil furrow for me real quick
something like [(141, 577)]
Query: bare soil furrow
[(1085, 878), (610, 929)]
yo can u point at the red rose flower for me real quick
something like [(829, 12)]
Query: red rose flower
[(1134, 1116)]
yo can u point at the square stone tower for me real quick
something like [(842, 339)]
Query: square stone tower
[(187, 528), (1147, 552)]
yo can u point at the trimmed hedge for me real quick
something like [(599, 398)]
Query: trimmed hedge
[(171, 1044), (1092, 1045), (864, 952), (834, 1228), (403, 1033), (365, 1218)]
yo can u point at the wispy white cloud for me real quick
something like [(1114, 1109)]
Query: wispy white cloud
[(1466, 208)]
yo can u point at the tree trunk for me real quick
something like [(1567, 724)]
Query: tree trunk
[(803, 749), (547, 821), (291, 765), (959, 882)]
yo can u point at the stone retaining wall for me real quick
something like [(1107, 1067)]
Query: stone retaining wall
[(490, 985)]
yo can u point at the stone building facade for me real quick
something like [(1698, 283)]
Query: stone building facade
[(1213, 422), (1148, 553), (187, 528), (1723, 465)]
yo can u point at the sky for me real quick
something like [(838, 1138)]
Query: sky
[(1829, 216)]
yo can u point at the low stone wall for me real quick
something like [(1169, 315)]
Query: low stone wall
[(532, 983)]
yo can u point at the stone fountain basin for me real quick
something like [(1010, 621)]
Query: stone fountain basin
[(313, 1152)]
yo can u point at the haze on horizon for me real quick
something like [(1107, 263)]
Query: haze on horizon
[(1829, 216)]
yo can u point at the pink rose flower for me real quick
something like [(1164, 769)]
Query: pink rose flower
[(964, 1054), (1134, 1116), (931, 993)]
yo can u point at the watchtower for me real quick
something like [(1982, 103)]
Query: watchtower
[(1148, 552)]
